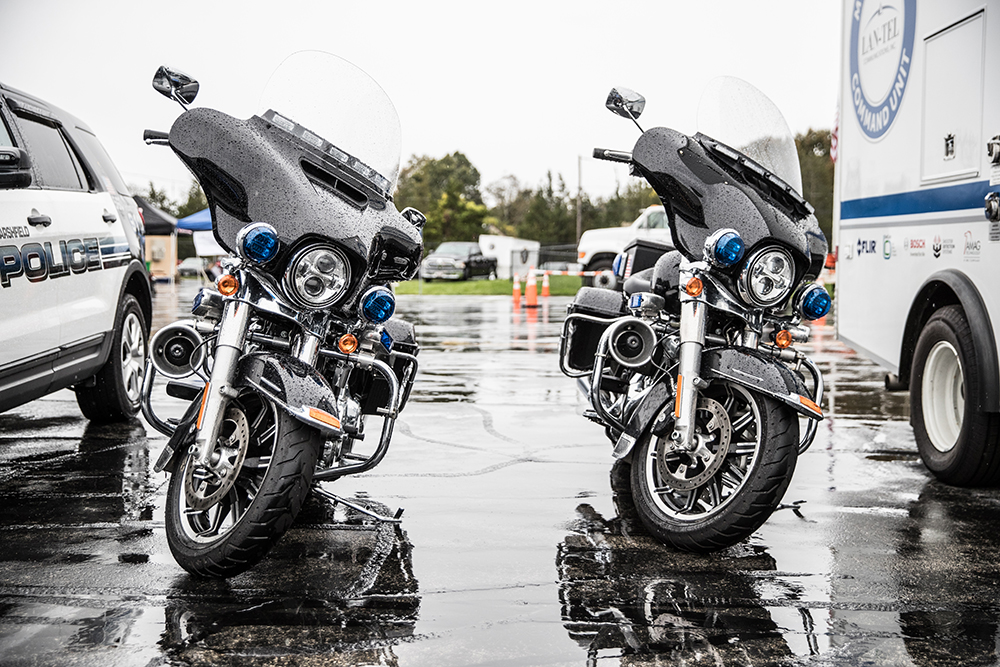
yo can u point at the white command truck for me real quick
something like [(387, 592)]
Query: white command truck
[(917, 218)]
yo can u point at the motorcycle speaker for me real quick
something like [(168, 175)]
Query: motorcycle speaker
[(631, 342), (177, 350)]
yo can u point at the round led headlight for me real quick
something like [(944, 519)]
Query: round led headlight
[(813, 302), (724, 248), (317, 276), (767, 277), (378, 305), (258, 242)]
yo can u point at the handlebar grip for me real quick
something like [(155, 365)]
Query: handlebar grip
[(612, 155), (155, 137)]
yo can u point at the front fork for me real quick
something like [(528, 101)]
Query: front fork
[(694, 313), (229, 347), (219, 390)]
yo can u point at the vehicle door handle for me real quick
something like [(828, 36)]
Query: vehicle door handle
[(37, 218), (109, 217)]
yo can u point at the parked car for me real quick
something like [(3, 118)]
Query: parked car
[(192, 266), (458, 260), (599, 247), (74, 291)]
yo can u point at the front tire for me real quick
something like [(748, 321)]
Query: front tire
[(719, 495), (117, 388), (957, 442), (215, 531)]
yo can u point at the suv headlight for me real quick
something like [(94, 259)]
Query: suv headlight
[(317, 276), (767, 277)]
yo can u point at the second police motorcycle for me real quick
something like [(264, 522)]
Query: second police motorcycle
[(295, 347), (691, 366)]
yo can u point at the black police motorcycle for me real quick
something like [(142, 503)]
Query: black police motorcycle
[(693, 369), (294, 348)]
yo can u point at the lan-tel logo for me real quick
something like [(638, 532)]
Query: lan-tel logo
[(881, 60)]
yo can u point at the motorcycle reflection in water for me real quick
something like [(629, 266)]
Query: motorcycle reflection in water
[(625, 595), (360, 598)]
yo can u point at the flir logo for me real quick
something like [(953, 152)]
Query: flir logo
[(867, 247)]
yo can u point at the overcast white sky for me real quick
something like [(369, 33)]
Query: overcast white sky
[(518, 86)]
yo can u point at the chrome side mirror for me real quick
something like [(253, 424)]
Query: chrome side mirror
[(176, 85), (626, 103)]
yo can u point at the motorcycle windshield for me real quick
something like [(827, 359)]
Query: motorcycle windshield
[(339, 110), (735, 113)]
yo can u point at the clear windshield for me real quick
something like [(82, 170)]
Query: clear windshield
[(740, 116), (340, 105)]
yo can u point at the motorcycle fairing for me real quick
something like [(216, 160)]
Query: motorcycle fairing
[(254, 171), (703, 191), (744, 367), (293, 385)]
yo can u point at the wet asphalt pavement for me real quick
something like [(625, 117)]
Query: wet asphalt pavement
[(513, 550)]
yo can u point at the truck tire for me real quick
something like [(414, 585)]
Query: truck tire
[(117, 387), (602, 265), (956, 440)]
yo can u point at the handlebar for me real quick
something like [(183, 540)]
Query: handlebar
[(155, 137), (612, 155)]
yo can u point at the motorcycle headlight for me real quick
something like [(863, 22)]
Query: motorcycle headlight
[(724, 248), (317, 276), (767, 277), (378, 305), (258, 242), (813, 302)]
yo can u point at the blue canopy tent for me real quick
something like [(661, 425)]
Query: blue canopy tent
[(197, 222)]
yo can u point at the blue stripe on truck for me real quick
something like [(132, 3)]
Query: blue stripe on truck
[(950, 198)]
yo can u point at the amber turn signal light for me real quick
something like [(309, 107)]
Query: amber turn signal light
[(227, 284), (783, 339), (347, 343), (694, 287)]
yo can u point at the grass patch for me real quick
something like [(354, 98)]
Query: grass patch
[(558, 286)]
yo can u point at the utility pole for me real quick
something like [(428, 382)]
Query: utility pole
[(579, 197)]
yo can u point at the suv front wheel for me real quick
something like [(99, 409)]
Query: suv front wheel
[(114, 392)]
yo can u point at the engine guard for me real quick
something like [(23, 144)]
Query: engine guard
[(747, 368)]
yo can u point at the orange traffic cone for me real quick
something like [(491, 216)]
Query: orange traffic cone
[(531, 290), (517, 291), (545, 285)]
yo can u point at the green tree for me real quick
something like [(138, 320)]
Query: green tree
[(424, 179), (550, 218), (454, 218), (160, 200), (817, 175), (195, 201), (511, 203)]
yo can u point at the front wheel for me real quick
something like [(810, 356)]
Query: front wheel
[(729, 485), (957, 441), (114, 394), (222, 521)]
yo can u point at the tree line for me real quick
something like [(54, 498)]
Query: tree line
[(448, 190)]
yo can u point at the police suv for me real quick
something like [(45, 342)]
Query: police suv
[(74, 291)]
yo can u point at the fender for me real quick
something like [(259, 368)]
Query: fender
[(748, 368), (294, 386), (945, 288)]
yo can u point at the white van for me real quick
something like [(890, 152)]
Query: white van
[(917, 220)]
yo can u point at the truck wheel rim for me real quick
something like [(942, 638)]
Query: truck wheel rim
[(943, 394), (133, 356)]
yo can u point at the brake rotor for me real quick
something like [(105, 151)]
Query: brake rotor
[(684, 471), (206, 486)]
